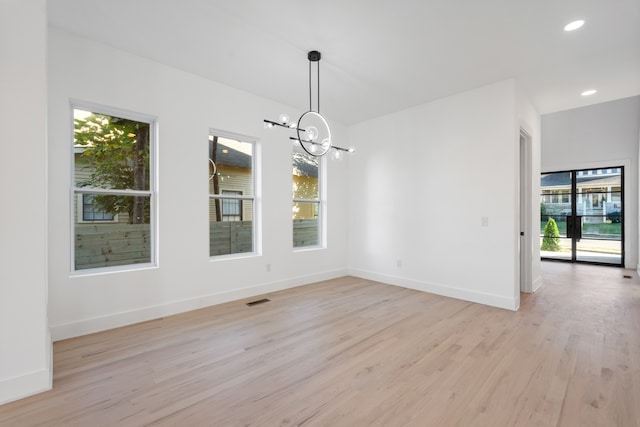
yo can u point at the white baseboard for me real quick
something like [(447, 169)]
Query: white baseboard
[(443, 290), (143, 314), (24, 385)]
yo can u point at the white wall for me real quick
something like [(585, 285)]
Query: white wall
[(528, 120), (186, 107), (599, 135), (25, 345), (422, 181)]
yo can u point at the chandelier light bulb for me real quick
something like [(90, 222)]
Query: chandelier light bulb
[(351, 150), (284, 118), (268, 125), (336, 154), (313, 148), (326, 143), (312, 133)]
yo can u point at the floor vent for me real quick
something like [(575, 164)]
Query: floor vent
[(627, 276), (260, 301)]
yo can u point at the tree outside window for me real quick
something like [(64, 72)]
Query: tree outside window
[(112, 172)]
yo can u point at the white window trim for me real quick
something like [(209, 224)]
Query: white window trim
[(256, 198), (152, 192), (322, 208)]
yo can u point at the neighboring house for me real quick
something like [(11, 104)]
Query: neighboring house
[(85, 210), (305, 185), (233, 169), (598, 194), (230, 169)]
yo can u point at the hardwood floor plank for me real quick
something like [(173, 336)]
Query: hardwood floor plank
[(351, 352)]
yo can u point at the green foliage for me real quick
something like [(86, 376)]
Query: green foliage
[(551, 239), (543, 210), (615, 217), (118, 151)]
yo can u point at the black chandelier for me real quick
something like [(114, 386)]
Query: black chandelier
[(312, 130)]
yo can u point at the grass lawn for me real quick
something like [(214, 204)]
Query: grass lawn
[(593, 230)]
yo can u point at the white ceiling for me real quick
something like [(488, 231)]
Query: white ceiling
[(379, 56)]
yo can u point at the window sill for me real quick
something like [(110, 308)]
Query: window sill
[(99, 271), (228, 257), (309, 248)]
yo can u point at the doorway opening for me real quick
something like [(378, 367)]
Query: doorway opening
[(526, 238), (582, 216)]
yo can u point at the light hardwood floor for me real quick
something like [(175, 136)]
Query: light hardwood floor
[(351, 352)]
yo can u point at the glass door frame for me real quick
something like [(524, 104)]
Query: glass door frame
[(574, 221)]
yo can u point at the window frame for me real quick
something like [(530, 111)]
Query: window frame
[(239, 206), (80, 213), (152, 192), (255, 198), (321, 203)]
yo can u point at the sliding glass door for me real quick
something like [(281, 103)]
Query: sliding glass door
[(582, 216)]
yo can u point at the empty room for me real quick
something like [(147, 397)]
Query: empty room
[(286, 213)]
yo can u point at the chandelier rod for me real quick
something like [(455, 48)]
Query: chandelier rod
[(314, 56), (310, 106), (348, 150)]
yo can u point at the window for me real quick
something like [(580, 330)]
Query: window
[(306, 210), (90, 210), (232, 208), (113, 187), (616, 194), (231, 195), (555, 196)]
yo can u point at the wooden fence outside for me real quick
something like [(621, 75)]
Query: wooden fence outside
[(235, 237), (232, 237), (305, 232), (108, 245)]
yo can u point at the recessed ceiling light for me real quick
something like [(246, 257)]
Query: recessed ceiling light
[(588, 92), (574, 25)]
